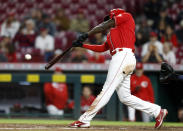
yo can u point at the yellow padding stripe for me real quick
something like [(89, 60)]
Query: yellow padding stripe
[(87, 79), (58, 78), (33, 78), (5, 77)]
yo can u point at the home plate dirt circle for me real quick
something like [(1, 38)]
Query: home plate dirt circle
[(47, 127)]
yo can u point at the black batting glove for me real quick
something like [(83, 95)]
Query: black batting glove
[(77, 43), (83, 37)]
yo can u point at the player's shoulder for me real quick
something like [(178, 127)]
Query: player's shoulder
[(92, 97), (145, 45), (133, 76), (158, 43), (171, 53), (146, 78), (49, 36), (38, 37), (128, 14)]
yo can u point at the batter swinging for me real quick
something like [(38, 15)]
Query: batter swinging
[(120, 41)]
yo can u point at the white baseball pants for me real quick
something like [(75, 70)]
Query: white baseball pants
[(118, 78)]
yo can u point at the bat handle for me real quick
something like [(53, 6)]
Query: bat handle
[(47, 66), (52, 62), (56, 59)]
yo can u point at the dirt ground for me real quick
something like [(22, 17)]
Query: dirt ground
[(23, 127)]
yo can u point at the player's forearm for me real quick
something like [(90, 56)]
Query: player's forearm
[(102, 27), (158, 57), (96, 48), (146, 57)]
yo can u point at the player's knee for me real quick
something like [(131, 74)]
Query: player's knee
[(125, 98)]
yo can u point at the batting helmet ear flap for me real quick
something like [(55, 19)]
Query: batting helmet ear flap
[(106, 18)]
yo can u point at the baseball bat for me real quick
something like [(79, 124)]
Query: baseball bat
[(56, 59)]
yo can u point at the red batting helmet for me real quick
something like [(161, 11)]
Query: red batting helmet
[(114, 12)]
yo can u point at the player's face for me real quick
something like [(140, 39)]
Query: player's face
[(169, 30), (153, 38), (44, 33), (86, 92), (10, 18), (29, 26), (80, 16), (166, 48), (60, 13), (139, 72)]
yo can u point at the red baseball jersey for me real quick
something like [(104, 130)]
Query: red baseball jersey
[(145, 92), (56, 94), (85, 103), (121, 36)]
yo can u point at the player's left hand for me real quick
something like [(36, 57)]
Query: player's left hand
[(83, 37), (137, 88), (77, 43)]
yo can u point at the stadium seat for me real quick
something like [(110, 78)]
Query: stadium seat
[(94, 11)]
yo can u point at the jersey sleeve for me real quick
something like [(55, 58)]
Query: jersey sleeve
[(48, 93), (97, 48), (132, 86), (121, 18)]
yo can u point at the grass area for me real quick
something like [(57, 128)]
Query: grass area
[(66, 122)]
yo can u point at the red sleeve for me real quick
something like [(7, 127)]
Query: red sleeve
[(133, 86), (150, 92), (92, 98), (121, 18), (71, 105), (97, 48), (48, 93)]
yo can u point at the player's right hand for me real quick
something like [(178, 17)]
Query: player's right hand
[(77, 43)]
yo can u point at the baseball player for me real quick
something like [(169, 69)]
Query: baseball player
[(56, 96), (120, 41), (86, 99), (141, 87)]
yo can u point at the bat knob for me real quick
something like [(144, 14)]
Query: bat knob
[(46, 67)]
